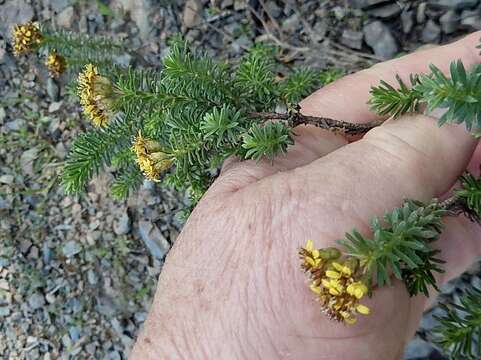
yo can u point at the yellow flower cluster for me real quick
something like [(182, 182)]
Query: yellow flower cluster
[(26, 37), (55, 64), (151, 158), (96, 95), (335, 282)]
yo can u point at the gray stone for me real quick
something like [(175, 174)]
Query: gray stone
[(153, 239), (27, 159), (122, 225), (386, 12), (476, 282), (339, 12), (140, 317), (240, 5), (6, 179), (421, 13), (25, 245), (66, 341), (190, 16), (123, 60), (319, 30), (4, 285), (66, 17), (74, 333), (273, 9), (58, 5), (14, 12), (16, 124), (291, 24), (53, 90), (454, 4), (92, 277), (117, 24), (352, 39), (449, 287), (55, 106), (46, 253), (471, 19), (226, 4), (379, 38), (361, 4), (61, 151), (193, 34), (71, 248), (114, 355), (428, 321), (36, 301), (117, 326), (139, 11), (90, 348), (407, 19), (449, 22), (4, 204), (54, 129), (4, 311), (241, 43), (2, 115), (431, 33), (418, 349)]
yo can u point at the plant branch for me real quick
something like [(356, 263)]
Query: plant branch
[(297, 118)]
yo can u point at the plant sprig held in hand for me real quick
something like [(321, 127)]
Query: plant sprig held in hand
[(400, 245), (176, 124)]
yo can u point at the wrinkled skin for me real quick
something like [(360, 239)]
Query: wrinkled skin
[(231, 287)]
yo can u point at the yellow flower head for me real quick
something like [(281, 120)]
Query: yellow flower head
[(55, 64), (314, 259), (96, 95), (26, 37), (151, 158), (336, 283)]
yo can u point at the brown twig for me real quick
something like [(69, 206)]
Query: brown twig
[(297, 118), (451, 204), (456, 206)]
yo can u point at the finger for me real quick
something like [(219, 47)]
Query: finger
[(346, 99)]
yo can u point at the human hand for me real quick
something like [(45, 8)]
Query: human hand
[(232, 288)]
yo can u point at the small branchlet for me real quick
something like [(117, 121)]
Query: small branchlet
[(400, 245), (469, 196), (459, 330), (201, 111), (459, 95), (388, 101), (64, 50)]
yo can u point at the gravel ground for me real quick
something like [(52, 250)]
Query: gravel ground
[(77, 274)]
